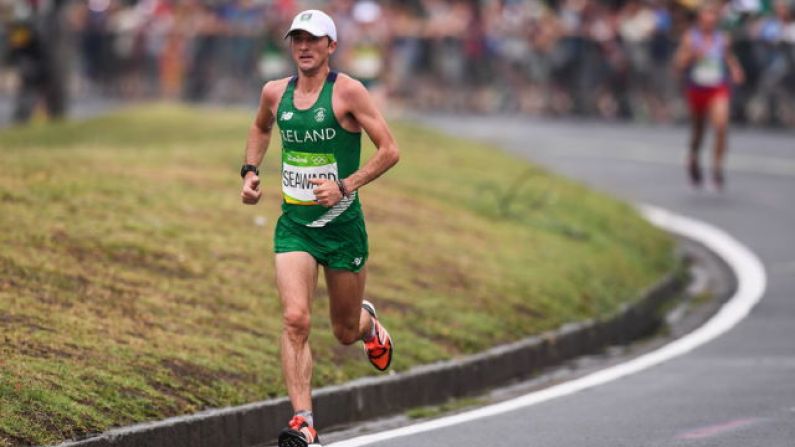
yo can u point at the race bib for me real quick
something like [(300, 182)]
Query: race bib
[(708, 72), (298, 168)]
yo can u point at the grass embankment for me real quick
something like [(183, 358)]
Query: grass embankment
[(135, 286)]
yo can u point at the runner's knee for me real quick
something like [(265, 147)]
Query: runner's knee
[(346, 333), (296, 323)]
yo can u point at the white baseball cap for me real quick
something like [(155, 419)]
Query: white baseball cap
[(315, 22)]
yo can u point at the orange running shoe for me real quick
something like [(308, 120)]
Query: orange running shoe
[(299, 434), (379, 349)]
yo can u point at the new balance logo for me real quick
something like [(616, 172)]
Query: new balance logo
[(286, 116)]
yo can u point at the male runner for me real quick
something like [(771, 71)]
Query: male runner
[(705, 57), (320, 115)]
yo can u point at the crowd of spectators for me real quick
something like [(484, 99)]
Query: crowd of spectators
[(608, 58)]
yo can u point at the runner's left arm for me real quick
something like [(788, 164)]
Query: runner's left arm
[(372, 121), (360, 105)]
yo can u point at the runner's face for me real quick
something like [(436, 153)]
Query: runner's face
[(708, 18), (310, 53)]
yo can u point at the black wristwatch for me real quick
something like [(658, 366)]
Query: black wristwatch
[(248, 168)]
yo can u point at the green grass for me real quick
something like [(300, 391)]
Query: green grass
[(135, 286)]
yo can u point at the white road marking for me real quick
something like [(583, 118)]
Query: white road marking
[(751, 282)]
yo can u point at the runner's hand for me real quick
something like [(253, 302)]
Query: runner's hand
[(327, 193), (738, 77), (251, 192)]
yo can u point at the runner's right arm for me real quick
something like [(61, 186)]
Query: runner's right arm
[(684, 55), (735, 69), (259, 136)]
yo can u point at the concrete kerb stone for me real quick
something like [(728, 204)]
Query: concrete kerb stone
[(255, 424)]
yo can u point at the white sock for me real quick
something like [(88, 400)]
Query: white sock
[(307, 415)]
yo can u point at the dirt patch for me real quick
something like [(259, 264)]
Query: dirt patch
[(392, 306), (36, 280), (156, 261), (9, 197), (36, 350), (400, 210), (527, 311), (230, 326), (187, 370), (43, 421), (420, 328), (150, 259), (9, 439), (440, 275), (22, 321), (455, 276)]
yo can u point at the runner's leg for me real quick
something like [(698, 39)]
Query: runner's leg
[(296, 279), (346, 292), (719, 115), (697, 124), (698, 115)]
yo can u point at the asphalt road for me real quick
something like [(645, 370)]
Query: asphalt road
[(736, 391)]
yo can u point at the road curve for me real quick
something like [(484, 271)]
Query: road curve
[(735, 391)]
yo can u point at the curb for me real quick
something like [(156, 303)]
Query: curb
[(257, 423)]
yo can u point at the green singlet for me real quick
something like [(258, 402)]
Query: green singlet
[(315, 146)]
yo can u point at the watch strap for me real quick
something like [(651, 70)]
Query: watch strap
[(248, 168)]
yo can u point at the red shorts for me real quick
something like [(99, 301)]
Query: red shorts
[(700, 98)]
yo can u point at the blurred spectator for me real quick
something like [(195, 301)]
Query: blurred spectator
[(608, 58), (775, 43), (637, 25), (34, 45)]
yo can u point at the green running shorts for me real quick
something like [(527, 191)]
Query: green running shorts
[(340, 246)]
